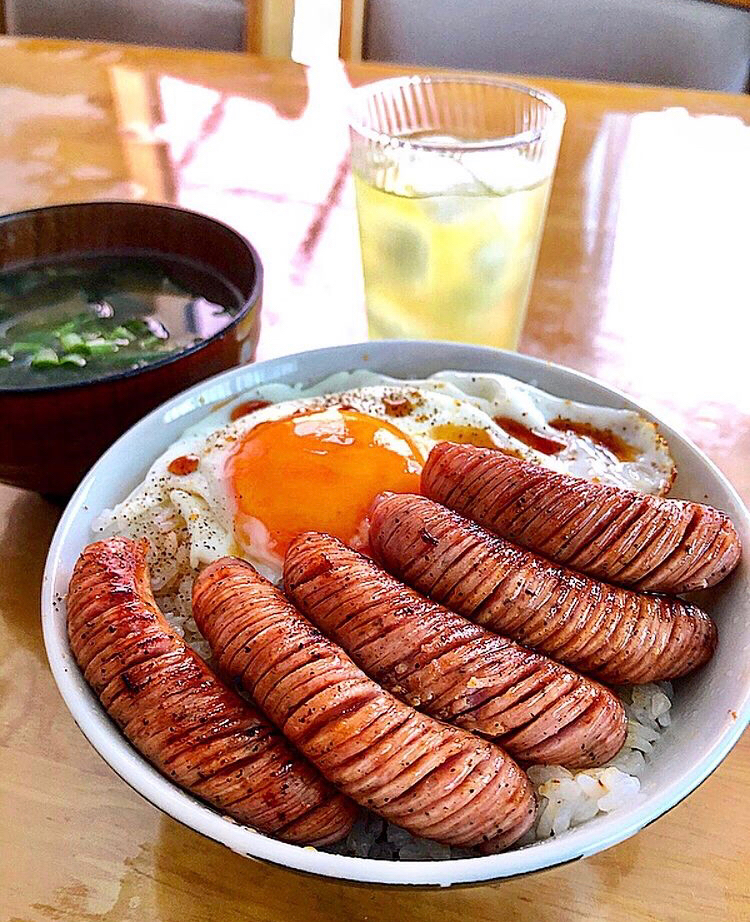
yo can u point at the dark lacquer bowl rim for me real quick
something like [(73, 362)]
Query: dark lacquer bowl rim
[(249, 304)]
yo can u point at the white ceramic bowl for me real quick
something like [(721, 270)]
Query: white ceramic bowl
[(710, 711)]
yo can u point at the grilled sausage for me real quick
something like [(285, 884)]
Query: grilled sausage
[(437, 781), (648, 542), (618, 635), (444, 665), (174, 709)]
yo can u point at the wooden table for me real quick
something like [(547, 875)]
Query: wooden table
[(643, 281)]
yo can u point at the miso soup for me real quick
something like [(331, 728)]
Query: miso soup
[(69, 321)]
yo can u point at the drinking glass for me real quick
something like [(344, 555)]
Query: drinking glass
[(453, 177)]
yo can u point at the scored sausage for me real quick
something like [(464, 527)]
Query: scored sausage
[(444, 665), (618, 635), (648, 542), (176, 712), (437, 781)]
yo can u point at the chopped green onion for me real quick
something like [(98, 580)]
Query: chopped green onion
[(136, 327), (5, 357), (21, 348), (73, 358), (82, 347), (45, 358), (100, 346), (68, 327), (70, 341), (122, 333)]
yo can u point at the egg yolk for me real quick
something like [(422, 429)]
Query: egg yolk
[(318, 472)]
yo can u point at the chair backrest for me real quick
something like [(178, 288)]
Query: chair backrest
[(212, 24), (260, 26), (687, 43)]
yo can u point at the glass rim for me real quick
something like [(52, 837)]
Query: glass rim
[(555, 105)]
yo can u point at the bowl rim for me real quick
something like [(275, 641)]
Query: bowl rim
[(116, 750), (249, 304)]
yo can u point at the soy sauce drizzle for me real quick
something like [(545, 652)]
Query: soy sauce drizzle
[(533, 438)]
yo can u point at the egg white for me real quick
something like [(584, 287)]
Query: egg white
[(189, 519)]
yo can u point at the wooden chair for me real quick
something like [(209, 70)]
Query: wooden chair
[(352, 32), (270, 26), (688, 43), (204, 24)]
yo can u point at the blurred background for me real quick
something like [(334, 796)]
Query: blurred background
[(703, 44)]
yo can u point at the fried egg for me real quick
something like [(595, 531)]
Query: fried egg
[(282, 460)]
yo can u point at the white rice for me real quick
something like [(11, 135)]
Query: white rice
[(569, 798), (566, 798)]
